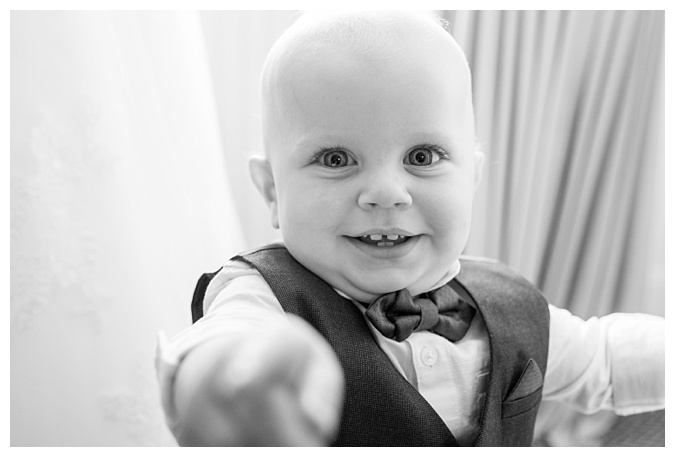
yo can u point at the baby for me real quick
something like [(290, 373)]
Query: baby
[(364, 327)]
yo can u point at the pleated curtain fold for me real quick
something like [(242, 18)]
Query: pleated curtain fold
[(569, 109)]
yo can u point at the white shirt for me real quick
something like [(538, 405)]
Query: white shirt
[(614, 362)]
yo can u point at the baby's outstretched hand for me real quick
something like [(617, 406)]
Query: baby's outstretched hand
[(281, 386)]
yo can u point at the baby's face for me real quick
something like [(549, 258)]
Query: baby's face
[(374, 174)]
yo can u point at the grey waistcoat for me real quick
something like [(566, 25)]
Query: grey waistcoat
[(381, 407)]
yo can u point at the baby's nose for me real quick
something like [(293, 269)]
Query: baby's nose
[(384, 190)]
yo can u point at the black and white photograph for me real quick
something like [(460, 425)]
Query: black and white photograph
[(348, 228)]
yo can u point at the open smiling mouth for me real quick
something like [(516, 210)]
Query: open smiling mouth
[(383, 241)]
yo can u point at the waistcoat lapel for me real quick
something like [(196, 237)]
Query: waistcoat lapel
[(517, 322)]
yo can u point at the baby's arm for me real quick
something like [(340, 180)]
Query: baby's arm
[(614, 362), (247, 373)]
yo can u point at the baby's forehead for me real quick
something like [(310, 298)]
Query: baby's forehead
[(319, 43)]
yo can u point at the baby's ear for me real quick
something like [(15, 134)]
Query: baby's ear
[(261, 174), (479, 159)]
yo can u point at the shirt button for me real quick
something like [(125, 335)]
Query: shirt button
[(429, 356)]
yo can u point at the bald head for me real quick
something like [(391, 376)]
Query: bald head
[(341, 42)]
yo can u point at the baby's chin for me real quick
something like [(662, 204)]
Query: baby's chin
[(366, 286), (366, 293)]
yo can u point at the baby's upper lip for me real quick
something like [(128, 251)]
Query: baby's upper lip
[(383, 231)]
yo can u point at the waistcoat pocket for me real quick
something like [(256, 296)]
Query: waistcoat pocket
[(518, 418)]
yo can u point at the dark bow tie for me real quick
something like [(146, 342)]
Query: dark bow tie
[(398, 314)]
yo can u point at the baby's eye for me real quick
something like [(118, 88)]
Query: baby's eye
[(423, 156), (334, 158)]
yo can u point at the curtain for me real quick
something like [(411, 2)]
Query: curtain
[(119, 200), (569, 109), (237, 43)]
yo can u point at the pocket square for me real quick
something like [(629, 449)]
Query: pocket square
[(530, 381)]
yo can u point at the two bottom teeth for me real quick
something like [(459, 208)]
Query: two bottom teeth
[(384, 240)]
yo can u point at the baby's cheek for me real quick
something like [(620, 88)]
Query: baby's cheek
[(310, 213), (450, 228)]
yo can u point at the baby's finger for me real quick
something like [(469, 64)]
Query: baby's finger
[(322, 382)]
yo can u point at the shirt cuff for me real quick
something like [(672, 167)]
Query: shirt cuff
[(638, 363)]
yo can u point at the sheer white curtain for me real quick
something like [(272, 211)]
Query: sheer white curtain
[(237, 43), (119, 201)]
